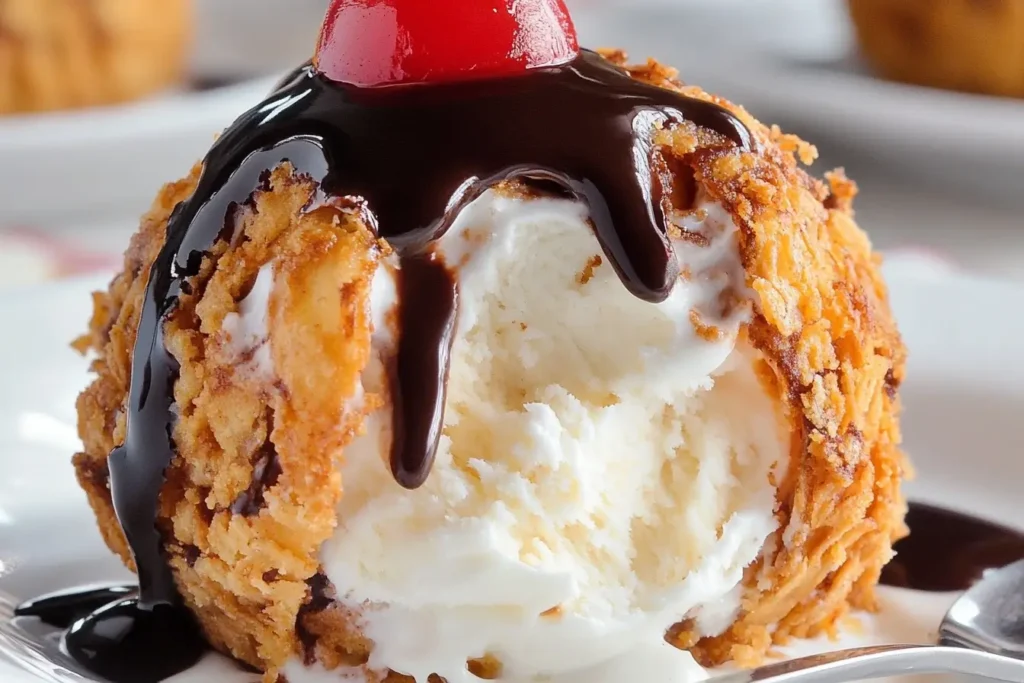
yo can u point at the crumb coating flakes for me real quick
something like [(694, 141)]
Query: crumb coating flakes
[(830, 351)]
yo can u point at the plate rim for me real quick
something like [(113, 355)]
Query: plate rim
[(164, 113)]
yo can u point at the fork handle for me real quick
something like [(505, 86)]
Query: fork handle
[(884, 660)]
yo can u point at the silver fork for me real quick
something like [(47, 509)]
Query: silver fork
[(982, 634)]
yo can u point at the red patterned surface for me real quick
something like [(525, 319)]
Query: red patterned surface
[(29, 257)]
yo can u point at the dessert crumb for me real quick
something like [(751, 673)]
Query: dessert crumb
[(587, 274), (709, 333)]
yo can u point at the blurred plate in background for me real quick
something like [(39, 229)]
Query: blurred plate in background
[(109, 161), (787, 61), (793, 62), (94, 166), (246, 38)]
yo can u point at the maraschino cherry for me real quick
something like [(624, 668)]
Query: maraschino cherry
[(374, 43)]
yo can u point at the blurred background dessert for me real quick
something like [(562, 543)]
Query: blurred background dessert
[(61, 54), (956, 44)]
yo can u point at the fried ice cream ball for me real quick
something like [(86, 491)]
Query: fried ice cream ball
[(267, 421), (962, 45), (65, 54)]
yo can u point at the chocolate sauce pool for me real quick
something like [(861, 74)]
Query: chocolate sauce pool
[(63, 609), (949, 551)]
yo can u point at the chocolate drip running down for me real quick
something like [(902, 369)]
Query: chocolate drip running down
[(416, 155)]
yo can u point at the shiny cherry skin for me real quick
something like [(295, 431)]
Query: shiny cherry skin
[(374, 43)]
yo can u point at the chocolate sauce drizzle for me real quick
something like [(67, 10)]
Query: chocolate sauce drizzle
[(950, 551), (64, 608), (321, 597), (265, 473), (415, 156)]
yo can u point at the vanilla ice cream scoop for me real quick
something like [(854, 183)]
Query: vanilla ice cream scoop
[(604, 469)]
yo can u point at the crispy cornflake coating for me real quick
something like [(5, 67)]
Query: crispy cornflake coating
[(62, 54), (970, 45), (251, 495)]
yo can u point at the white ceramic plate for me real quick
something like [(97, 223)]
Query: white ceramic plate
[(964, 400), (59, 167), (793, 62), (251, 37)]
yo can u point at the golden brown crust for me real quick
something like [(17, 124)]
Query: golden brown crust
[(243, 564), (830, 352), (62, 54), (970, 45), (826, 331)]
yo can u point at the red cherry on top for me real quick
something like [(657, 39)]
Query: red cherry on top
[(371, 43)]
